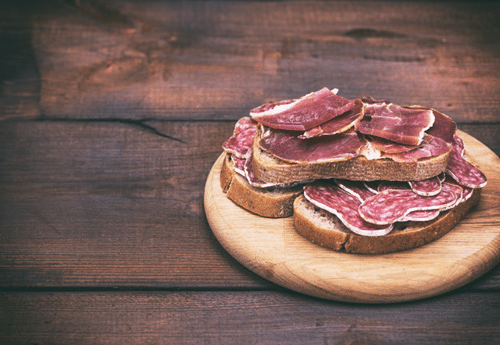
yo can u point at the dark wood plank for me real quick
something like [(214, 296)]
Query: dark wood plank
[(110, 204), (242, 317), (19, 79), (85, 204), (187, 60)]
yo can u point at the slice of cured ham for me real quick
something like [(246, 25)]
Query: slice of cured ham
[(345, 206), (339, 123), (444, 127), (404, 125), (430, 147), (305, 113), (392, 206), (242, 138), (462, 171), (287, 146), (389, 147)]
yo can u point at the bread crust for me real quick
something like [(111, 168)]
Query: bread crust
[(326, 230), (272, 203), (269, 168)]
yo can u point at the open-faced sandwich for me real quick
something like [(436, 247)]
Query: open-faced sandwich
[(360, 176)]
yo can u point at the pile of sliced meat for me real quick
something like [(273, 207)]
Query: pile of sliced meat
[(338, 128), (325, 127)]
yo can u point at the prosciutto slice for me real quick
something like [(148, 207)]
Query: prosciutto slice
[(403, 125), (462, 171), (430, 147), (305, 113), (389, 147), (339, 123), (345, 206), (242, 138), (392, 206), (444, 127), (288, 146)]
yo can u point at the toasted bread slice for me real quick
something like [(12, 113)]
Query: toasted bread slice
[(274, 202), (270, 168), (326, 230)]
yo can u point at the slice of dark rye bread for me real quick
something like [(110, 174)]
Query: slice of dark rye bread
[(326, 230), (273, 202), (270, 168)]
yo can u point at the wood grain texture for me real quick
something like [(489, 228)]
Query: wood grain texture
[(112, 114), (242, 317), (273, 249), (188, 60), (110, 204)]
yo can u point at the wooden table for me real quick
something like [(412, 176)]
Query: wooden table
[(112, 115)]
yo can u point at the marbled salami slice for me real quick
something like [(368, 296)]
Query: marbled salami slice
[(242, 138), (372, 186), (455, 188), (356, 188), (421, 216), (462, 171), (345, 206), (417, 216), (329, 148), (392, 206), (404, 125), (238, 164), (305, 113), (428, 187), (244, 123)]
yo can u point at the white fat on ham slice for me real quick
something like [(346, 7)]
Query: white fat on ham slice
[(404, 125), (303, 114), (288, 146)]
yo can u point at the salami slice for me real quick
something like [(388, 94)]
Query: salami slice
[(242, 138), (238, 164), (428, 187), (345, 206), (372, 186), (244, 123), (462, 171), (357, 189), (392, 206), (421, 216)]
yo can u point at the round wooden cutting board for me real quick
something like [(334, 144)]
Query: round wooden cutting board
[(273, 249)]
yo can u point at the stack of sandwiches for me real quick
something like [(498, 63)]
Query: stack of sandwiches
[(359, 176)]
